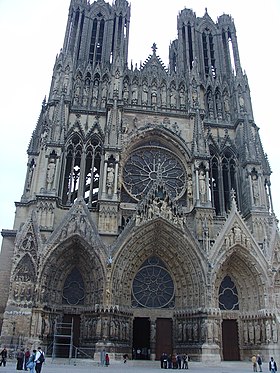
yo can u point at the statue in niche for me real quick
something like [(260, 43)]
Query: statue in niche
[(251, 332), (182, 98), (219, 105), (241, 103), (86, 92), (144, 94), (194, 96), (245, 333), (274, 332), (257, 332), (28, 293), (30, 174), (267, 331), (154, 95), (255, 188), (125, 93), (163, 95), (66, 79), (77, 91), (50, 173), (237, 233), (226, 106), (276, 255), (134, 94), (110, 178), (95, 90), (210, 105), (116, 83), (173, 98), (202, 185), (104, 92), (28, 243), (57, 79), (16, 292)]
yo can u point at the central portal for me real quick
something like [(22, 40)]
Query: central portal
[(141, 348)]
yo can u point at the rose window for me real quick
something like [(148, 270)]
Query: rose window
[(153, 286), (147, 166)]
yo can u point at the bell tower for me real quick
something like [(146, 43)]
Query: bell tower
[(97, 34)]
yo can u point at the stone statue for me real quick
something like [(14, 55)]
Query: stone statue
[(50, 173), (110, 178), (202, 185)]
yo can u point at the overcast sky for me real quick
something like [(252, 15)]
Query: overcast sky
[(32, 33)]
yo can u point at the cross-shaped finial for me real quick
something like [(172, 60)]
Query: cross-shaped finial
[(154, 48)]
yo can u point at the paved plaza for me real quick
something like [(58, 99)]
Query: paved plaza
[(81, 366)]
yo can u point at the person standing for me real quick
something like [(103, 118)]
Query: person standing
[(254, 362), (26, 358), (31, 362), (39, 359), (107, 360), (185, 358), (259, 361), (272, 365), (102, 358), (20, 359), (4, 355)]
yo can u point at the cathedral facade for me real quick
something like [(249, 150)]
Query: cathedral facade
[(146, 219)]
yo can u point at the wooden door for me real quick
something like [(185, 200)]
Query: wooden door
[(163, 337), (230, 340)]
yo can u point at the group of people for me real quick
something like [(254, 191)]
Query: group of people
[(104, 359), (175, 361), (26, 360), (257, 362)]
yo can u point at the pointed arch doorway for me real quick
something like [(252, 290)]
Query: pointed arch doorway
[(141, 347)]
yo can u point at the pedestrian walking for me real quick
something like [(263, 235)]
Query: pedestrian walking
[(272, 365), (259, 361), (39, 360), (31, 362)]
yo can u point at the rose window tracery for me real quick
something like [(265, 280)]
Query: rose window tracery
[(150, 165), (153, 286)]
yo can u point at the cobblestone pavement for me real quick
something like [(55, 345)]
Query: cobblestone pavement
[(81, 366)]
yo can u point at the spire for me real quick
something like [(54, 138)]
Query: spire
[(199, 147)]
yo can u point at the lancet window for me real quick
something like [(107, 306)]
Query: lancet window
[(82, 170), (228, 50), (208, 53), (96, 42), (223, 179)]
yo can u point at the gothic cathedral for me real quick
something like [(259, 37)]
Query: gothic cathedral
[(146, 220)]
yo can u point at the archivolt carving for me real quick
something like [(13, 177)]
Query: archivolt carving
[(180, 257), (59, 264), (246, 276)]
